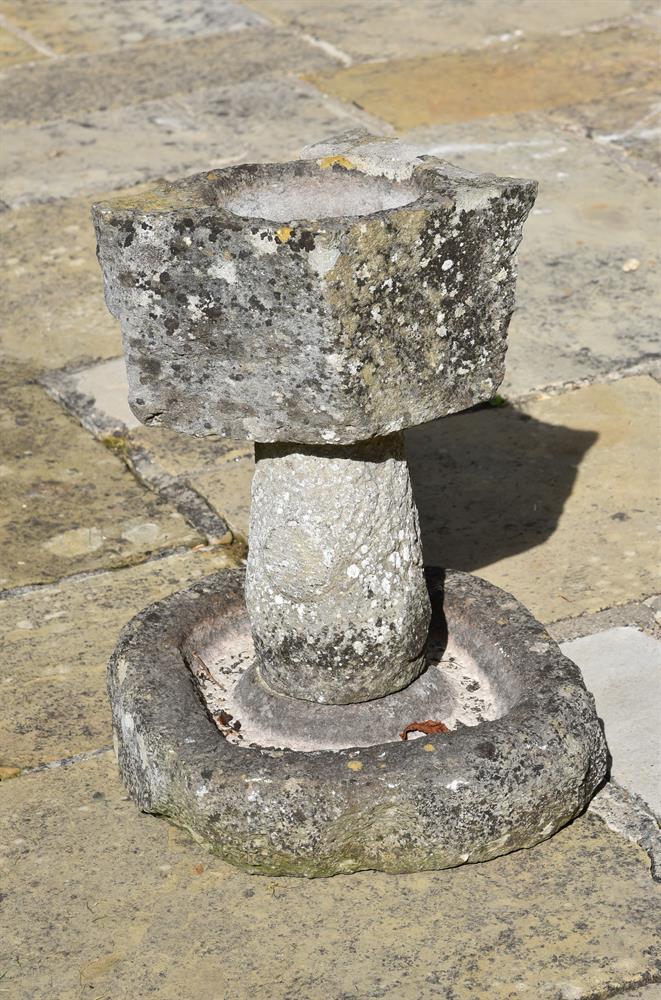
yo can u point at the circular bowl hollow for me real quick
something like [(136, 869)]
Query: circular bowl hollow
[(527, 765), (318, 194)]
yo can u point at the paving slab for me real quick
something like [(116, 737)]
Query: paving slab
[(56, 643), (68, 26), (622, 668), (384, 29), (106, 901), (103, 389), (68, 504), (259, 121), (227, 487), (556, 501), (581, 311), (52, 310), (525, 74), (68, 87)]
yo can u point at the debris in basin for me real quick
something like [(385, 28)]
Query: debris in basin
[(208, 676), (428, 728)]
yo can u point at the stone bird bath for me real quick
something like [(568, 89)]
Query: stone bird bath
[(319, 308)]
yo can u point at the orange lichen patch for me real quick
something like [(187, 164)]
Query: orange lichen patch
[(336, 161), (355, 765), (283, 233)]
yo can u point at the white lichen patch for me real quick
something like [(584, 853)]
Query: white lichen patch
[(225, 270), (323, 258)]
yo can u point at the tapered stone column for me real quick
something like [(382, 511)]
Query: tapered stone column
[(335, 586)]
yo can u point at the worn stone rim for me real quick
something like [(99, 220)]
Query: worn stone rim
[(467, 796)]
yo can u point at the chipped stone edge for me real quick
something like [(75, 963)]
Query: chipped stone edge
[(114, 434), (628, 814)]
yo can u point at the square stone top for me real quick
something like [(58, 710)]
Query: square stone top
[(357, 291)]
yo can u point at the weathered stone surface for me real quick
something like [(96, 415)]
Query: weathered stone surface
[(470, 795), (579, 314), (276, 720), (385, 29), (335, 586), (56, 641), (525, 75), (104, 895), (622, 667), (542, 501), (267, 119), (68, 27), (68, 504), (356, 297), (71, 87)]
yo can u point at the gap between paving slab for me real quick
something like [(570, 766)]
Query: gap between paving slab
[(642, 615), (111, 79), (169, 464)]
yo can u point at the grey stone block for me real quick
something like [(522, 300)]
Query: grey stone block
[(326, 300)]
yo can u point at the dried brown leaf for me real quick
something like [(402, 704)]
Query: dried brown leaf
[(429, 727)]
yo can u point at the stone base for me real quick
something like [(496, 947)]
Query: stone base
[(521, 760)]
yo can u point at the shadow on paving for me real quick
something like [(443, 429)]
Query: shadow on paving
[(491, 483)]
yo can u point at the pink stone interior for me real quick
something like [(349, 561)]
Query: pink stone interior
[(320, 195), (218, 658)]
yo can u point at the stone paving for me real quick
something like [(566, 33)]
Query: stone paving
[(552, 495)]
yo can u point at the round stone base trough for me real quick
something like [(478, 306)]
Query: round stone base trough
[(279, 786)]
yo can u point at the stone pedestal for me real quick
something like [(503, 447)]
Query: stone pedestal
[(319, 308)]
